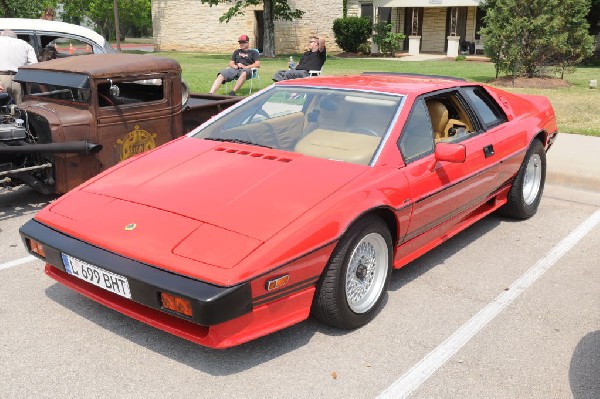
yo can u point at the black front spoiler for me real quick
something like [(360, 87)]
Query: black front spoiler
[(211, 304)]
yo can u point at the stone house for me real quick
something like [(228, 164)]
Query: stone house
[(434, 26)]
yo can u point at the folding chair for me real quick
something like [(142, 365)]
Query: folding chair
[(315, 72)]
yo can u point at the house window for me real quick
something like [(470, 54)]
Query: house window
[(479, 22), (384, 14), (366, 11)]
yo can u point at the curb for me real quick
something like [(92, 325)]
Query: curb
[(573, 161)]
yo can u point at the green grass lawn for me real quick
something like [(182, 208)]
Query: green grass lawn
[(577, 107)]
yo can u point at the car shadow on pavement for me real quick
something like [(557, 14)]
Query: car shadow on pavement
[(216, 362), (437, 256), (584, 370), (246, 356), (21, 200)]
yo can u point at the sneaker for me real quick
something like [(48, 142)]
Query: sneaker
[(232, 93)]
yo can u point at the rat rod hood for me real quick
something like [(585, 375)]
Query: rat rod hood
[(207, 201), (61, 115)]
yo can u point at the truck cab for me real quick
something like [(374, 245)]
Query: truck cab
[(82, 115)]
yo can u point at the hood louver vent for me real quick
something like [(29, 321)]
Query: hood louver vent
[(253, 154)]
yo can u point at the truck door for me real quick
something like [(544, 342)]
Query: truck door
[(134, 115)]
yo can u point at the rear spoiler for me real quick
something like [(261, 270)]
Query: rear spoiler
[(415, 75)]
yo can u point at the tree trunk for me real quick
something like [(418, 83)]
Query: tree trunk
[(269, 31), (117, 27)]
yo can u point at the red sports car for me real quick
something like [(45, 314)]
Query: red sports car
[(298, 200)]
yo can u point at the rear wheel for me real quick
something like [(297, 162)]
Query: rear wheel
[(525, 195), (351, 289)]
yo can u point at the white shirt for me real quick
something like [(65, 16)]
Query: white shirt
[(15, 53)]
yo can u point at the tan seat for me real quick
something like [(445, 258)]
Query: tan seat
[(341, 146), (453, 127), (439, 118)]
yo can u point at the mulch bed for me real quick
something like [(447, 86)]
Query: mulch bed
[(534, 83)]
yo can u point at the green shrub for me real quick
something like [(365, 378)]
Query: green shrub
[(389, 42), (351, 32), (365, 48)]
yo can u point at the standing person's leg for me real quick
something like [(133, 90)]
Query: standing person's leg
[(11, 87)]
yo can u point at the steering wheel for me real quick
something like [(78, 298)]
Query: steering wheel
[(364, 130), (106, 100)]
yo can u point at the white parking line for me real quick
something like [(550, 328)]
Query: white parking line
[(421, 371), (17, 262)]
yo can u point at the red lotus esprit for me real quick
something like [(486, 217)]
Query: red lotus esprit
[(298, 200)]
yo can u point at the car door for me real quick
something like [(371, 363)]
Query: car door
[(133, 115), (446, 194)]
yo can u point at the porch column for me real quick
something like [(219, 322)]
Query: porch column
[(453, 45), (414, 43)]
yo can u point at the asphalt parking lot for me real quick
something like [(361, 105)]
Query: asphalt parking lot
[(503, 310)]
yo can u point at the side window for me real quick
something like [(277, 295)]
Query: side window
[(67, 46), (489, 112), (416, 140), (450, 120), (130, 92)]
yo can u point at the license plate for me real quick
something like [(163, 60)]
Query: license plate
[(109, 281)]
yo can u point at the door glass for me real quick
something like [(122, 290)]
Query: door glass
[(416, 140)]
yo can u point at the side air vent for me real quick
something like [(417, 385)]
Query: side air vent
[(253, 154)]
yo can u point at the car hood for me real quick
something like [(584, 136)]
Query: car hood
[(202, 200)]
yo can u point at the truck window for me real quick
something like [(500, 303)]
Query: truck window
[(127, 92), (58, 92)]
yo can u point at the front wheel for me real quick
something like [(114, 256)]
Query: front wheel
[(526, 192), (351, 289)]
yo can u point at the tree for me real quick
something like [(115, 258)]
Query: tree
[(135, 17), (24, 8), (272, 10), (573, 44), (526, 37)]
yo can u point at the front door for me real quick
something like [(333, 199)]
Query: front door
[(445, 194), (134, 115)]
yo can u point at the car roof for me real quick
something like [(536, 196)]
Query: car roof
[(108, 65), (389, 82), (43, 25)]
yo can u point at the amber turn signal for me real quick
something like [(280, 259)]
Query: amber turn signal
[(277, 282), (176, 304), (36, 248)]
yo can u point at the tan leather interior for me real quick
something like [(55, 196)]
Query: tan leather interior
[(329, 144), (280, 132), (332, 115), (439, 118), (453, 124)]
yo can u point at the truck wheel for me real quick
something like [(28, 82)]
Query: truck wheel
[(352, 287), (526, 192)]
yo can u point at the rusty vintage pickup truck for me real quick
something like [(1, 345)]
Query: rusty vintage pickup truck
[(81, 115)]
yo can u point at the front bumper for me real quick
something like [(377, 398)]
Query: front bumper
[(211, 304)]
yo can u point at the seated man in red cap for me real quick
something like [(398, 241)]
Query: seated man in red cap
[(242, 60)]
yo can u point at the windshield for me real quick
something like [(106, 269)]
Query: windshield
[(58, 92), (341, 125)]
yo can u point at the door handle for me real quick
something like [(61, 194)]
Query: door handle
[(488, 150)]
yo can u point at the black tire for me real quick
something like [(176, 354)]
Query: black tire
[(527, 189), (342, 303)]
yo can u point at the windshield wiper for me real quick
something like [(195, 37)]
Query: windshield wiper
[(238, 141)]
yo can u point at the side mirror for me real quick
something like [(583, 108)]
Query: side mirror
[(113, 89), (455, 153)]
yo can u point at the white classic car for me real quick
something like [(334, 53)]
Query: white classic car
[(68, 39)]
